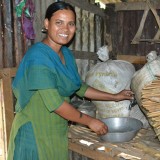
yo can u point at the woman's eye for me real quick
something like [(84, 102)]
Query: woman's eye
[(72, 24), (58, 22)]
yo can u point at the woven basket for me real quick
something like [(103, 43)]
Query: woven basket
[(146, 86)]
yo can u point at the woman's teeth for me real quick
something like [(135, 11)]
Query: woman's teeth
[(63, 35)]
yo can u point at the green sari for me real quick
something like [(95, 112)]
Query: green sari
[(41, 85)]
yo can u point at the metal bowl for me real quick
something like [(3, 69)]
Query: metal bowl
[(122, 129)]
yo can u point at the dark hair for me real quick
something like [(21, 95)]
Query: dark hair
[(58, 6)]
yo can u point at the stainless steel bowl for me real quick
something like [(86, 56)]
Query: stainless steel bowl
[(121, 129)]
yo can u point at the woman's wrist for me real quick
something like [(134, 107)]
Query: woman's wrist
[(85, 119)]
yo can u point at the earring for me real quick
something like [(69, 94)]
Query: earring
[(44, 30)]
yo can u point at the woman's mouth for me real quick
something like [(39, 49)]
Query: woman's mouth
[(63, 35)]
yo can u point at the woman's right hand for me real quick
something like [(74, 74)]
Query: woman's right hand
[(124, 95), (99, 127)]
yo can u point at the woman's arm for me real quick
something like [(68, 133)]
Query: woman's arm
[(55, 103), (68, 112), (95, 94)]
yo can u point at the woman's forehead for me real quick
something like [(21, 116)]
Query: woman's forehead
[(64, 13)]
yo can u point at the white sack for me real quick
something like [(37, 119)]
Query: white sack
[(111, 76)]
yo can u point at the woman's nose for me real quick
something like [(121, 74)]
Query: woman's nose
[(65, 26)]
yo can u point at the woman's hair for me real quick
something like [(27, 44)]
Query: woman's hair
[(58, 6)]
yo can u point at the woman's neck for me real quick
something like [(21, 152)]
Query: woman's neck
[(54, 46)]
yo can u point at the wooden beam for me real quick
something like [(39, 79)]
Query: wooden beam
[(6, 75), (132, 59), (8, 72), (85, 55), (83, 4), (85, 151), (130, 6), (150, 40), (93, 56)]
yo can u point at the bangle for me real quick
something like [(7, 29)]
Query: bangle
[(80, 115)]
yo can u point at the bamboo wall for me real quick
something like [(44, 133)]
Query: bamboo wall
[(124, 24), (90, 33), (93, 31), (90, 36)]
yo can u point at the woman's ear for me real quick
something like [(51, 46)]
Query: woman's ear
[(46, 23)]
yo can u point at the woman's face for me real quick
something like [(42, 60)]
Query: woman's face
[(61, 27)]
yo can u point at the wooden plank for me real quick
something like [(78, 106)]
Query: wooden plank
[(99, 32), (150, 40), (85, 26), (132, 59), (2, 142), (91, 32), (8, 72), (83, 4), (78, 39), (140, 29), (93, 56), (7, 34), (135, 6), (7, 108), (8, 99), (2, 37), (85, 55), (85, 151), (114, 150)]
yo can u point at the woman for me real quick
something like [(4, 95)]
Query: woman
[(46, 78)]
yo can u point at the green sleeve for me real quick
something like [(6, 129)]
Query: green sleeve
[(51, 99), (82, 90)]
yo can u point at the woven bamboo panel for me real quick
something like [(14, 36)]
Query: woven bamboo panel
[(143, 147), (151, 104)]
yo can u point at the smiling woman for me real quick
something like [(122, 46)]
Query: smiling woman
[(60, 19), (46, 79), (63, 24)]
